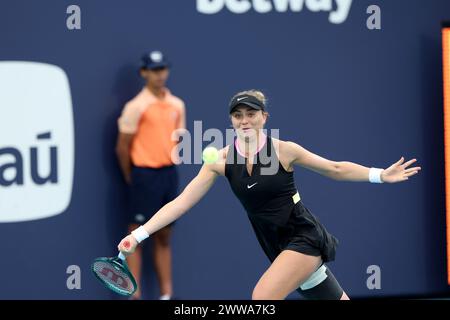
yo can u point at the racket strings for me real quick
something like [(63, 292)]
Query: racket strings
[(113, 276)]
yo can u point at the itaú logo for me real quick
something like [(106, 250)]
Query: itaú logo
[(36, 141), (338, 9)]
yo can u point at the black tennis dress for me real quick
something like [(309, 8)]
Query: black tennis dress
[(276, 212)]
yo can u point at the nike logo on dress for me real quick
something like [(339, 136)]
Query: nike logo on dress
[(242, 98), (248, 187)]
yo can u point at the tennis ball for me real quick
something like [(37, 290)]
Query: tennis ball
[(210, 155)]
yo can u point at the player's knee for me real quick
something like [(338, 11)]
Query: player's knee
[(344, 296), (321, 285), (260, 292)]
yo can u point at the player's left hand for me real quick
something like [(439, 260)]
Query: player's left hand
[(399, 171)]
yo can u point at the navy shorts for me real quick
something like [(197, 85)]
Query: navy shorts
[(150, 190)]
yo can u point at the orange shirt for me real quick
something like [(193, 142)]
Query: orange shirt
[(152, 121)]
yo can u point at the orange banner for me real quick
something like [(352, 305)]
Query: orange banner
[(446, 74)]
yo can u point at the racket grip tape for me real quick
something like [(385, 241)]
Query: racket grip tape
[(126, 244)]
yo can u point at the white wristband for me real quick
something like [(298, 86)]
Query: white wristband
[(375, 175), (140, 234)]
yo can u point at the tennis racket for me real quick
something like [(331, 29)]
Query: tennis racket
[(113, 272)]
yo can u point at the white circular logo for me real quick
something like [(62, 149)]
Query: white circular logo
[(139, 217), (156, 56)]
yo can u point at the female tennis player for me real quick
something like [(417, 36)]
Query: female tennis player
[(259, 169)]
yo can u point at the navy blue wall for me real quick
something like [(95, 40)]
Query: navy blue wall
[(340, 90)]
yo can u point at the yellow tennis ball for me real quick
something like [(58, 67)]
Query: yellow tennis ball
[(210, 155)]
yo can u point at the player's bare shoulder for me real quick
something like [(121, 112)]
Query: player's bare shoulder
[(281, 147), (285, 151)]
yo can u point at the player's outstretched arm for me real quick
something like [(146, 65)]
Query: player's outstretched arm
[(349, 171), (193, 192)]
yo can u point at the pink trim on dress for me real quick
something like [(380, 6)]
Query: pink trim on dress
[(263, 136)]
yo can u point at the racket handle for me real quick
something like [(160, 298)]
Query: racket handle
[(121, 255)]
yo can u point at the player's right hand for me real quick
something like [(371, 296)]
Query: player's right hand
[(127, 245)]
